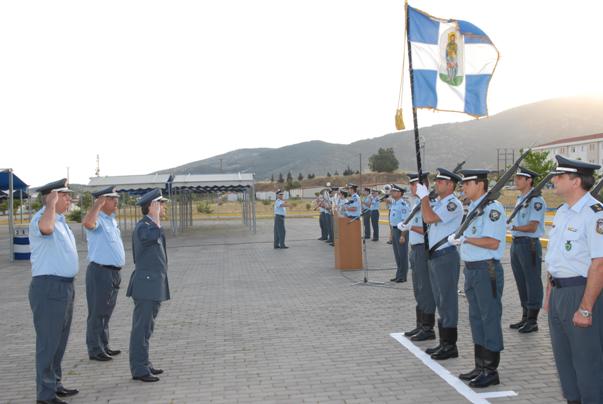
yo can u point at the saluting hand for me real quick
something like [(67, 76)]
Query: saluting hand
[(155, 211), (52, 198), (99, 202)]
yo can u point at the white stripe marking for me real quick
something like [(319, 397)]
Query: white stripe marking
[(455, 382)]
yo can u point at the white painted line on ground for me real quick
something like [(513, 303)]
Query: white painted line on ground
[(455, 382)]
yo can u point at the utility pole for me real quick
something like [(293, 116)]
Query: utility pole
[(97, 171)]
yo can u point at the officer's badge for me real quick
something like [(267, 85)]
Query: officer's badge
[(600, 226), (451, 206), (473, 229), (568, 245), (538, 205), (596, 207), (494, 215)]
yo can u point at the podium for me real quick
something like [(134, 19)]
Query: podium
[(348, 244)]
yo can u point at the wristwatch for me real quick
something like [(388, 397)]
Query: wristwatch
[(585, 313)]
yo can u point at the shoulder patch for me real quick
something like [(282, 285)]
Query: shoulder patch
[(538, 206), (599, 226), (494, 215), (451, 206), (596, 207)]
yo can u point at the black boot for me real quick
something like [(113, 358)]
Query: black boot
[(532, 324), (479, 365), (489, 374), (524, 319), (573, 402), (449, 349), (430, 351), (426, 332), (419, 322)]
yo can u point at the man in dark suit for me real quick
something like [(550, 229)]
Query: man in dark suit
[(148, 283)]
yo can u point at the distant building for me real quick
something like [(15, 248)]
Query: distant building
[(586, 148)]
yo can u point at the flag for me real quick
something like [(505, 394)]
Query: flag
[(452, 63)]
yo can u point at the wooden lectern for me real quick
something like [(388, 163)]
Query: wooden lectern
[(348, 244)]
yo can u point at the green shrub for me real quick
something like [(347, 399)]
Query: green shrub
[(308, 206), (203, 207), (266, 202), (75, 215)]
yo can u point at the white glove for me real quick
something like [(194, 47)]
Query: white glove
[(510, 227), (422, 191), (404, 227), (455, 241)]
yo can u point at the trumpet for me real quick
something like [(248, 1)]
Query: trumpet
[(385, 191)]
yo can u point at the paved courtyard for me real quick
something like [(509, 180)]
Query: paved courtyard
[(251, 324)]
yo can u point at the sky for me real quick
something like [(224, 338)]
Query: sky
[(148, 85)]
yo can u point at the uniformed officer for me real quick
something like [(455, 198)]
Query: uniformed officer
[(280, 212), (353, 208), (526, 252), (421, 284), (482, 246), (54, 264), (397, 213), (148, 283), (443, 218), (106, 257), (329, 203), (574, 261), (366, 212), (321, 218), (341, 201), (374, 212)]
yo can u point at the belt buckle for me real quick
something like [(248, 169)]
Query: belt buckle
[(553, 283)]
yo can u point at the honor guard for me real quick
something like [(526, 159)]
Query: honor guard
[(280, 211), (106, 257), (148, 285), (374, 212), (526, 252), (397, 213), (482, 246), (421, 284), (366, 212), (443, 218), (574, 261), (54, 264)]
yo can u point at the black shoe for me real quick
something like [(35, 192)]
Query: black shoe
[(400, 280), (489, 373), (112, 352), (284, 246), (332, 244), (389, 241), (55, 400), (276, 248), (446, 352), (519, 324), (393, 280), (63, 392), (101, 357), (531, 325), (424, 335), (479, 365), (156, 371), (321, 239), (431, 351), (146, 378), (375, 239), (419, 322)]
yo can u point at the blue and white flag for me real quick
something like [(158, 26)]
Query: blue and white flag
[(453, 62)]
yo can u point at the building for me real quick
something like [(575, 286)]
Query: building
[(586, 148)]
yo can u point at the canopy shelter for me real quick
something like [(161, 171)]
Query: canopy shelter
[(180, 189), (10, 184), (183, 186)]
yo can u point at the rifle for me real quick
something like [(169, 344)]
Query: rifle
[(490, 196), (536, 191), (432, 195), (597, 190)]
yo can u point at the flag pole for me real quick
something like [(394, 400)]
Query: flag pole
[(414, 116)]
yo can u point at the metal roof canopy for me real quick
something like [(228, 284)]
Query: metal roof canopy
[(133, 184), (17, 182), (11, 183), (213, 182)]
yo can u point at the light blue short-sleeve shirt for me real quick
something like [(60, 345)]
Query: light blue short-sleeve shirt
[(534, 212), (279, 209), (415, 238), (105, 246), (576, 238), (492, 223), (398, 212), (450, 212), (55, 253)]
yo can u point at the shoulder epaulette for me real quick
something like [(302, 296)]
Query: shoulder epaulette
[(597, 207)]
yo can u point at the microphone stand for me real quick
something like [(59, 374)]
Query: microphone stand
[(365, 281)]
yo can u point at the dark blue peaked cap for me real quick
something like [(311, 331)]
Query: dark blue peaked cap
[(398, 188), (110, 191), (565, 166), (413, 177), (444, 174), (154, 195), (59, 186), (476, 174), (524, 172)]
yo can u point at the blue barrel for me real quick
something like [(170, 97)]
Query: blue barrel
[(21, 243)]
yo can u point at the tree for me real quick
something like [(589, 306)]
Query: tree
[(311, 176), (539, 162), (272, 178), (280, 178), (300, 177), (289, 177), (348, 171), (384, 161), (328, 174), (336, 173)]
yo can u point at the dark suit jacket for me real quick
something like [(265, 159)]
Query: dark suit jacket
[(149, 280)]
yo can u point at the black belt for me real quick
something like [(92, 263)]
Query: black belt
[(55, 278), (567, 282), (520, 238), (443, 251), (420, 245), (111, 267), (476, 264)]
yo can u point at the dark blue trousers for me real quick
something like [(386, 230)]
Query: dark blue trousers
[(102, 286), (526, 262), (51, 302)]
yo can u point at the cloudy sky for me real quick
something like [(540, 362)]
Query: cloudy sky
[(153, 84)]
